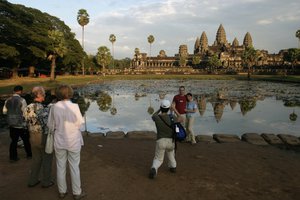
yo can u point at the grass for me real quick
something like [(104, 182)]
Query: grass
[(7, 84)]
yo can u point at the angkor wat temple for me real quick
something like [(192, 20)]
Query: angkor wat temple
[(229, 54)]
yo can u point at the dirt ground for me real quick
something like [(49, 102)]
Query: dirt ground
[(118, 169)]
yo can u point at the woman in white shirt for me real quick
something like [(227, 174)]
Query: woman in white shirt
[(66, 121)]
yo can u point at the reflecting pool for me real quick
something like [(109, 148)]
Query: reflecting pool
[(232, 107)]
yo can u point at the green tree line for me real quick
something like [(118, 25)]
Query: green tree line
[(24, 40), (29, 37)]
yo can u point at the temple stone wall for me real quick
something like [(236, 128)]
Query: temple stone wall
[(229, 54)]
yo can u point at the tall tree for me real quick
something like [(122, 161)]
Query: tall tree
[(57, 49), (249, 58), (112, 39), (103, 57), (298, 36), (83, 19), (150, 41), (26, 30)]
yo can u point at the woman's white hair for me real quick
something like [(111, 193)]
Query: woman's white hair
[(37, 91)]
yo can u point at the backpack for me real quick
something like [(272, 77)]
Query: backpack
[(178, 130), (179, 133)]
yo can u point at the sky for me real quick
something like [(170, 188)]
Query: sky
[(271, 23)]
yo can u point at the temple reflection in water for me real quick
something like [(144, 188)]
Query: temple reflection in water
[(218, 102), (224, 106)]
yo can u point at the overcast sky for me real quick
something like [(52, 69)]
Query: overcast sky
[(271, 23)]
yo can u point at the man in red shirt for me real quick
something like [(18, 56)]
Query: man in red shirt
[(179, 104)]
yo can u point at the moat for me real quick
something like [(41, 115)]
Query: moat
[(233, 107)]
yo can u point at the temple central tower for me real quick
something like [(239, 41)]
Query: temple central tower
[(220, 37)]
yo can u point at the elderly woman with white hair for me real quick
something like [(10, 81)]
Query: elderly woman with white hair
[(36, 115)]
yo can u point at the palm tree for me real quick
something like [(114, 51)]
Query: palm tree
[(57, 49), (249, 59), (150, 40), (112, 39), (298, 36), (83, 19)]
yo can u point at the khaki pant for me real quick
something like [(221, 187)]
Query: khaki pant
[(41, 161), (189, 123), (164, 145)]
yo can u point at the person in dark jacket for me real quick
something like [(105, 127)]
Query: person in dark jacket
[(13, 108)]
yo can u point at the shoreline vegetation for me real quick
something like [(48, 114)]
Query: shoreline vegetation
[(77, 81)]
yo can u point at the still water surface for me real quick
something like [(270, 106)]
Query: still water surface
[(233, 107)]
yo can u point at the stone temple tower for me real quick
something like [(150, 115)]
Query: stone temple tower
[(248, 40), (203, 42), (235, 43), (183, 50), (220, 37)]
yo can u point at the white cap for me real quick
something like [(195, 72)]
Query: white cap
[(165, 104)]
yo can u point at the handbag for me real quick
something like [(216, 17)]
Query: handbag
[(50, 137), (49, 143)]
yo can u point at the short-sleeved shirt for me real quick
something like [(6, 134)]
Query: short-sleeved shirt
[(180, 102), (191, 105), (32, 116)]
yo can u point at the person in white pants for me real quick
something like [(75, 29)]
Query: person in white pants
[(65, 119), (164, 142)]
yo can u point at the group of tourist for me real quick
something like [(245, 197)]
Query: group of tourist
[(184, 108), (32, 124)]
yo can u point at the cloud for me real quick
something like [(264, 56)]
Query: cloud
[(162, 42), (265, 22), (176, 22), (289, 17)]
